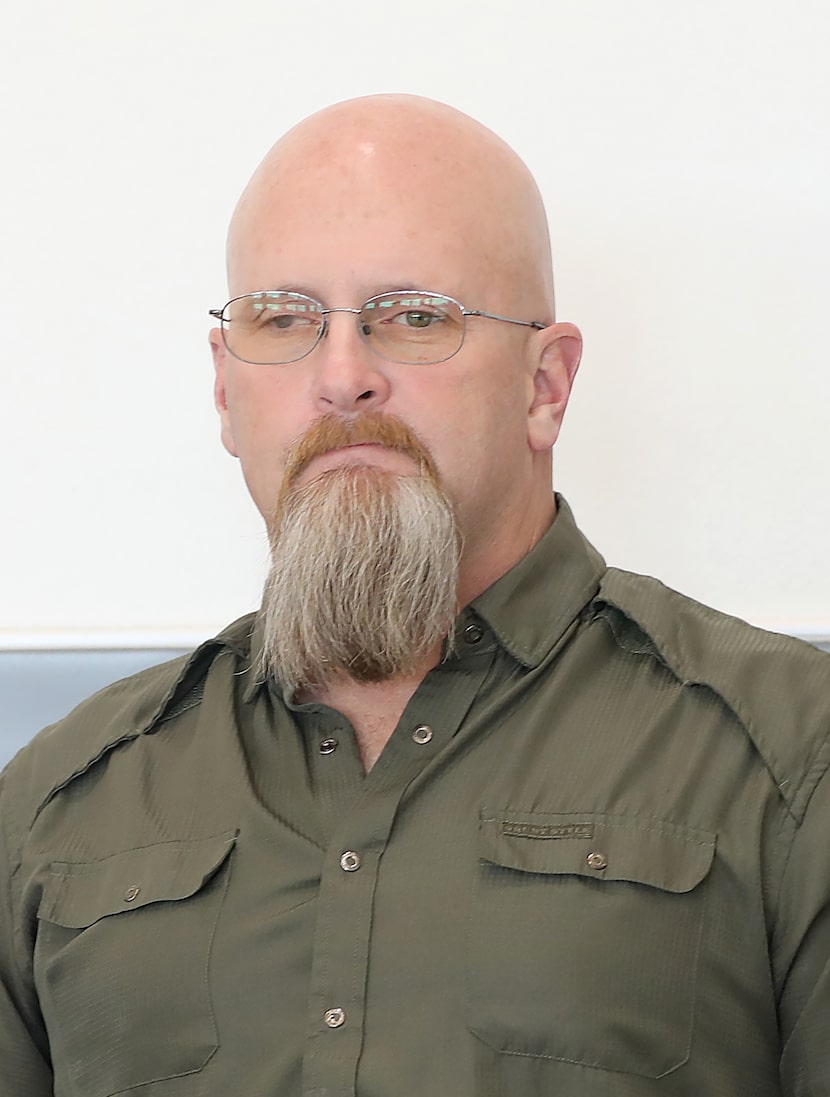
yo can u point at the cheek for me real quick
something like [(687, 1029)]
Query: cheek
[(263, 429), (492, 410), (476, 434)]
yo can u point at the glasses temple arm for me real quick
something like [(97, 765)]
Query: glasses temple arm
[(506, 319)]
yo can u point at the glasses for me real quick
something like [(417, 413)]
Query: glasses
[(413, 327)]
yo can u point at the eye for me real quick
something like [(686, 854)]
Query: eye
[(285, 316), (283, 320), (417, 318), (415, 312), (402, 321)]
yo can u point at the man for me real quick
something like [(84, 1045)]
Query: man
[(460, 811)]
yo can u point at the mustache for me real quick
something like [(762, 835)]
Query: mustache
[(331, 432)]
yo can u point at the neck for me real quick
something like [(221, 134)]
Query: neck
[(486, 559)]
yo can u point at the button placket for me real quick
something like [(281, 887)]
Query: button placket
[(344, 925)]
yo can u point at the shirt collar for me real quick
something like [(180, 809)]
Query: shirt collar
[(258, 673), (531, 607)]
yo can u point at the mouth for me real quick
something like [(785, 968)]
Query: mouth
[(372, 441), (363, 454)]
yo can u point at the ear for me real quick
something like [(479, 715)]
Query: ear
[(220, 395), (559, 350)]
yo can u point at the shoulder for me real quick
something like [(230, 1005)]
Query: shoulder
[(777, 687), (116, 714)]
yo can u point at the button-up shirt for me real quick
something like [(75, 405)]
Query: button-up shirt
[(592, 859)]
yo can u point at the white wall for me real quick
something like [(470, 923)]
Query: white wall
[(683, 153)]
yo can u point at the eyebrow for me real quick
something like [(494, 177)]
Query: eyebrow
[(307, 291), (292, 287)]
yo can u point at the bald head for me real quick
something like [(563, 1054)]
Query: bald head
[(414, 175)]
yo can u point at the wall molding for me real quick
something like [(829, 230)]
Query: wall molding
[(105, 639), (185, 639)]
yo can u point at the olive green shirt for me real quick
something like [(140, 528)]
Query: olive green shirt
[(592, 861)]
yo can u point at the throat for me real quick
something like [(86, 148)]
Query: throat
[(374, 709)]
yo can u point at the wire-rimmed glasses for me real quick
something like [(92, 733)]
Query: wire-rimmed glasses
[(413, 327)]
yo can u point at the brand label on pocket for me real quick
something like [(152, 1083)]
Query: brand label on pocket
[(547, 830)]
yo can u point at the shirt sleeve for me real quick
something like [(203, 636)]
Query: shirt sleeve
[(24, 1063), (802, 956)]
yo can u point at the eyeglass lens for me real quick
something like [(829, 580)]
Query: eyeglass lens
[(281, 327)]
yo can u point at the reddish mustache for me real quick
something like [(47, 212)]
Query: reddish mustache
[(332, 432)]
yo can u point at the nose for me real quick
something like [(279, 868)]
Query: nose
[(348, 376)]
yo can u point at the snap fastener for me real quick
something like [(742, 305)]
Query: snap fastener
[(473, 634), (350, 861), (597, 861), (422, 734), (334, 1018), (328, 746), (131, 894)]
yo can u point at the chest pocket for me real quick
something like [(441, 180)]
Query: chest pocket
[(122, 965), (584, 939)]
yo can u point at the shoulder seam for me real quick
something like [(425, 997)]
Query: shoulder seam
[(707, 630), (137, 706)]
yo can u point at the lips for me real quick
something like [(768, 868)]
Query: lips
[(332, 435), (362, 454)]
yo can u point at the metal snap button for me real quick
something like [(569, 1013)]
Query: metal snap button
[(131, 894), (597, 861), (334, 1018), (328, 746), (422, 734), (350, 861), (473, 634)]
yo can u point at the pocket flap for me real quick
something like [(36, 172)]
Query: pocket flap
[(79, 894), (598, 846)]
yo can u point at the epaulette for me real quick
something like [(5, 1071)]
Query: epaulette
[(131, 707), (778, 687)]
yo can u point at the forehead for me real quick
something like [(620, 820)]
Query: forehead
[(412, 208), (310, 228)]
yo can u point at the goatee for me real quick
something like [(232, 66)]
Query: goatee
[(364, 562)]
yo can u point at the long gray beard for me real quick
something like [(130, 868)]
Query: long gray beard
[(363, 578)]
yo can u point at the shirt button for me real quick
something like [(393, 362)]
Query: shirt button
[(350, 861), (597, 861), (334, 1018), (473, 634), (131, 894), (328, 746), (422, 734)]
